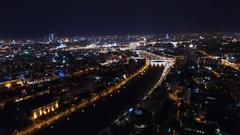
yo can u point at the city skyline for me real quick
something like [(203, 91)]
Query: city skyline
[(119, 67)]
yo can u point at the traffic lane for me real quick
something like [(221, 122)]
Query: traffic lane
[(93, 119)]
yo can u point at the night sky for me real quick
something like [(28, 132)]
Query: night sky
[(35, 18)]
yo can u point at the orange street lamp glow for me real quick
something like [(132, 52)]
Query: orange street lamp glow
[(8, 85)]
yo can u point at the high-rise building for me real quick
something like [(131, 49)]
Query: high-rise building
[(167, 37), (190, 55), (143, 41), (52, 38), (187, 96)]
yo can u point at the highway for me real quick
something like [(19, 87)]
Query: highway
[(102, 95), (94, 118), (223, 61), (169, 63), (50, 77), (28, 82), (84, 103)]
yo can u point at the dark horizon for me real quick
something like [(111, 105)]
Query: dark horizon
[(89, 17)]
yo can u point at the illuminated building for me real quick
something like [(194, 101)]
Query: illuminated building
[(190, 55), (143, 41), (8, 85), (44, 110), (52, 38), (167, 37), (189, 127)]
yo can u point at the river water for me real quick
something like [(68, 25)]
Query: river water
[(96, 117)]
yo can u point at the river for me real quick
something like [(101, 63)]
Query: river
[(94, 118)]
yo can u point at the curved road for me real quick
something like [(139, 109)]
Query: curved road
[(98, 116)]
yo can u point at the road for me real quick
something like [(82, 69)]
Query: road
[(102, 95), (50, 77), (169, 63), (84, 103), (223, 61), (96, 117)]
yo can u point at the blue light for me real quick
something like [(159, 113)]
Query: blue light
[(61, 73), (130, 110), (138, 112)]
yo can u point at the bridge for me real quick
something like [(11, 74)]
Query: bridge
[(154, 60), (157, 60), (157, 63)]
